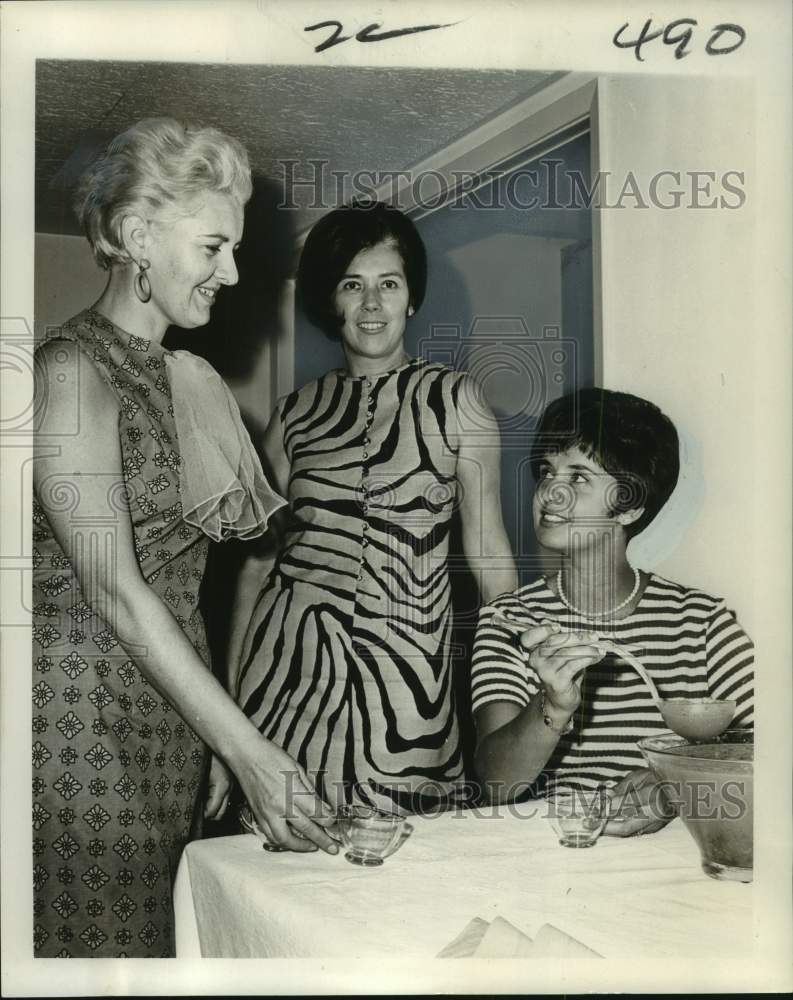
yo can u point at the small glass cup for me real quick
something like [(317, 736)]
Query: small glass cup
[(577, 815), (370, 836), (249, 825)]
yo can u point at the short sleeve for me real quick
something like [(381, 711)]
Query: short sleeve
[(440, 398), (730, 656), (500, 669), (474, 420), (284, 406)]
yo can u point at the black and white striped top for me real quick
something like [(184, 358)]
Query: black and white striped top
[(689, 642)]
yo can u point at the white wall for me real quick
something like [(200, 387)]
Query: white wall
[(678, 317), (67, 279), (509, 275)]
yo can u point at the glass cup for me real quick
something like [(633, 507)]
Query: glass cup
[(249, 825), (578, 816), (370, 836)]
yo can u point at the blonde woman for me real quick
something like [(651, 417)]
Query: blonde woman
[(141, 460)]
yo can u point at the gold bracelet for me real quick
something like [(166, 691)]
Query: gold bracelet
[(549, 721)]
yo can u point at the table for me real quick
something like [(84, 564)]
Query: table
[(636, 896)]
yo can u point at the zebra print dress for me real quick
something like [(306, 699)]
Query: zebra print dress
[(347, 660)]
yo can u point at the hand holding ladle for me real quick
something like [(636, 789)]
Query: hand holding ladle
[(691, 718)]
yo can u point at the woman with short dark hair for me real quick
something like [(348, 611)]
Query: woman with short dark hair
[(550, 708), (343, 657), (634, 441), (141, 459), (334, 242)]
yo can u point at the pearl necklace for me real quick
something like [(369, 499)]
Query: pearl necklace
[(598, 614)]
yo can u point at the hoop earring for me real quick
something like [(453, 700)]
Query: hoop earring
[(141, 282)]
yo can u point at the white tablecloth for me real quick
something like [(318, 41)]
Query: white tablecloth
[(636, 896)]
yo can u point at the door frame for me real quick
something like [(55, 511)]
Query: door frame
[(531, 128)]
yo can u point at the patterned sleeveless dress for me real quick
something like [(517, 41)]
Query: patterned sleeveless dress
[(347, 660), (116, 770)]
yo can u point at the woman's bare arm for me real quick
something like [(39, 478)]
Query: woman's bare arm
[(513, 746), (514, 742), (485, 541), (90, 463)]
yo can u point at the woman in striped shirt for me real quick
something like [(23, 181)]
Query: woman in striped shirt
[(550, 707)]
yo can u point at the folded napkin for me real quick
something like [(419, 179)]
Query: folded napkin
[(501, 939), (224, 491)]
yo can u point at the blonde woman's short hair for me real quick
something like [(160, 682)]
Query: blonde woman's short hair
[(157, 164)]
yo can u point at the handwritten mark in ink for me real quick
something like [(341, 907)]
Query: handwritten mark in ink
[(681, 39), (371, 33)]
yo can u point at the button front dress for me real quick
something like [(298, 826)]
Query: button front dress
[(347, 660)]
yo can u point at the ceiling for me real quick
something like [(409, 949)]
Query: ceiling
[(349, 119)]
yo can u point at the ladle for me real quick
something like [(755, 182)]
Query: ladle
[(691, 718)]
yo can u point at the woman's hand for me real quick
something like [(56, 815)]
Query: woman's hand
[(283, 800), (638, 805), (221, 782), (559, 658)]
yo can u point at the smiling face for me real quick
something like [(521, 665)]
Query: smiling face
[(575, 495), (373, 299), (192, 257)]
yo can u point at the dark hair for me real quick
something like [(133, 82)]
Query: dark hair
[(337, 238), (630, 437)]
